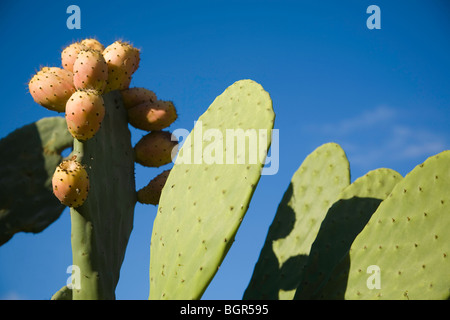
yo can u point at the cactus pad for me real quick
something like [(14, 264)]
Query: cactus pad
[(406, 240), (29, 158), (203, 202), (313, 189), (344, 221)]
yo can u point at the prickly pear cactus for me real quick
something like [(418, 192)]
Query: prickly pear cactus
[(404, 251), (344, 221), (98, 182), (314, 188), (203, 201), (325, 241)]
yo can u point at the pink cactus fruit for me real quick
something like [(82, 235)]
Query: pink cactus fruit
[(51, 87), (70, 183), (69, 55), (152, 116), (90, 70), (156, 149), (85, 111), (124, 55), (93, 44), (67, 76), (123, 60), (151, 193), (134, 96)]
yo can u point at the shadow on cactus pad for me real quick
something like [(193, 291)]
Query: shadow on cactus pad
[(314, 187), (29, 157), (344, 221)]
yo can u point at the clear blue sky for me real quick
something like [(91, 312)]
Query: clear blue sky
[(384, 95)]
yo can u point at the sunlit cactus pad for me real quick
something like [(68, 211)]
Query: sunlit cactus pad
[(202, 205), (406, 240)]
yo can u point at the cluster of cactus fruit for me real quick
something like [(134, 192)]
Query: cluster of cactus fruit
[(328, 233), (89, 71), (97, 180)]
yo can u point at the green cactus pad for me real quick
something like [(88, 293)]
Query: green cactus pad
[(204, 201), (63, 294), (313, 189), (102, 225), (404, 251), (29, 158), (344, 221)]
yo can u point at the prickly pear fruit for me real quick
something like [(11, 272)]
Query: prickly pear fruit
[(70, 183), (84, 113), (152, 116), (156, 149), (124, 55), (151, 193), (64, 74), (93, 44), (52, 87), (134, 96), (70, 53), (90, 70), (123, 60)]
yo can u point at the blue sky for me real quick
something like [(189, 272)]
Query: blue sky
[(383, 95)]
